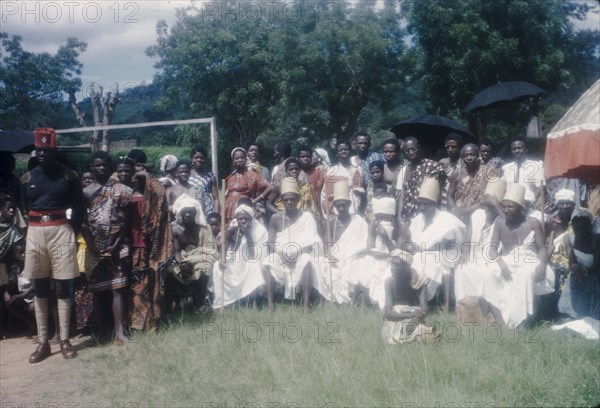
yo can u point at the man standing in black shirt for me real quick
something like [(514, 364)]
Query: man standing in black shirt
[(48, 190)]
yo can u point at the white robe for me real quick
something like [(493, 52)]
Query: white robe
[(468, 277), (243, 274), (374, 267), (346, 271), (440, 247), (296, 246), (514, 298)]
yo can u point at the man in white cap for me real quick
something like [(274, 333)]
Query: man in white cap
[(517, 260), (437, 237), (349, 234), (195, 254), (294, 245), (246, 245)]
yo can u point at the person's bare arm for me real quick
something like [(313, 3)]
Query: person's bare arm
[(494, 254), (177, 247), (388, 310), (542, 252), (215, 194), (272, 198)]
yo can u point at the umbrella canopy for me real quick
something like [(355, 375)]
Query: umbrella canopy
[(573, 146), (431, 130), (502, 93), (16, 141)]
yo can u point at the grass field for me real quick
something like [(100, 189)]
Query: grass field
[(334, 357)]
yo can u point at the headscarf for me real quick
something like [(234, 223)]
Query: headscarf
[(186, 201), (235, 149), (167, 163)]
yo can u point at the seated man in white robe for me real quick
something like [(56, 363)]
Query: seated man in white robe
[(242, 272), (294, 247), (518, 261), (468, 277), (437, 237), (346, 241)]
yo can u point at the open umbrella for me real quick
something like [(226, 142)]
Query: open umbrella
[(502, 93), (16, 141), (573, 145), (431, 130)]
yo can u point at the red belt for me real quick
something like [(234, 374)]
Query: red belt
[(47, 218)]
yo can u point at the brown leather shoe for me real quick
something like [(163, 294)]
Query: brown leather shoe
[(41, 353), (67, 350)]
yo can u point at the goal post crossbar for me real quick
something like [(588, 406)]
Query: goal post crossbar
[(211, 121)]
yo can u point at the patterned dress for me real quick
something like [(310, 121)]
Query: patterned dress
[(202, 190), (151, 247), (246, 184), (106, 219)]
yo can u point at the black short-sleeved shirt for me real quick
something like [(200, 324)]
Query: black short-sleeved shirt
[(55, 189)]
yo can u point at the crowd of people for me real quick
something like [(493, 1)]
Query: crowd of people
[(118, 248)]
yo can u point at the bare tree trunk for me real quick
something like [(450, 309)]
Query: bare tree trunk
[(108, 106), (78, 114), (95, 96)]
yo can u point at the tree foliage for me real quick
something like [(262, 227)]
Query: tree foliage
[(32, 85), (310, 76), (468, 45)]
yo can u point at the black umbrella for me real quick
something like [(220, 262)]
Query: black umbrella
[(431, 130), (502, 93), (16, 141)]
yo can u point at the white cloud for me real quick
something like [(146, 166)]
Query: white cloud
[(117, 32)]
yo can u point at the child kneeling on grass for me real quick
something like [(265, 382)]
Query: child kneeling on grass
[(403, 320)]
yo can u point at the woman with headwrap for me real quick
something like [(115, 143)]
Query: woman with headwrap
[(579, 280), (246, 241), (243, 183)]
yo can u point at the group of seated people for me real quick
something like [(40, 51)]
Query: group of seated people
[(372, 229)]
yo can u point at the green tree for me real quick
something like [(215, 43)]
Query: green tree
[(32, 85), (336, 68), (467, 45), (279, 77)]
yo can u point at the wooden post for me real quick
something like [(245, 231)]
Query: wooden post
[(223, 244), (329, 242)]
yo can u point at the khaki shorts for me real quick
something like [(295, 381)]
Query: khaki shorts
[(50, 252)]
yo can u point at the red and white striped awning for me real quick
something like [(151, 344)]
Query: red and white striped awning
[(573, 145)]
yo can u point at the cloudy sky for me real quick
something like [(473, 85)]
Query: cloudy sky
[(117, 32)]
